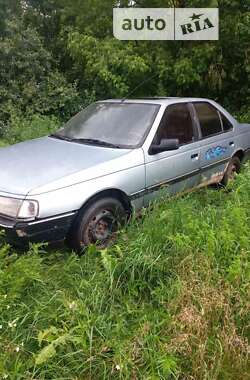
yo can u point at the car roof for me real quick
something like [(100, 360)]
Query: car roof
[(156, 100)]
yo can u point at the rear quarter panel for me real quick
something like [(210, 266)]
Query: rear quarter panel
[(242, 139)]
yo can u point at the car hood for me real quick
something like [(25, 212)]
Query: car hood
[(34, 164)]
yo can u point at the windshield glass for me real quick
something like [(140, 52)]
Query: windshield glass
[(123, 125)]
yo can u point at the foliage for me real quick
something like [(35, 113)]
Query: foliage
[(244, 115), (28, 82), (57, 56), (108, 65), (167, 301), (31, 127)]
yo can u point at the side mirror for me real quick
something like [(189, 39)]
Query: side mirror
[(164, 146)]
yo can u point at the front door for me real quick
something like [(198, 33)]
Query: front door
[(176, 170)]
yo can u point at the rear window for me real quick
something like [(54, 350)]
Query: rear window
[(209, 119)]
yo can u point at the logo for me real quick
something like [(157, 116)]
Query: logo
[(166, 23), (197, 24)]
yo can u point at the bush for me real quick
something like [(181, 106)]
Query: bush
[(29, 79), (244, 115), (21, 128)]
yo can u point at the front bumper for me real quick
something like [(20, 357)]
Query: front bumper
[(41, 230)]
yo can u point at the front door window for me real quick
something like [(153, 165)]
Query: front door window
[(176, 124)]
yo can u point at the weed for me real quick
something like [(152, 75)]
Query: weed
[(169, 301)]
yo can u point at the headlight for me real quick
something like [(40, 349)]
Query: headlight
[(17, 208), (28, 210), (10, 206)]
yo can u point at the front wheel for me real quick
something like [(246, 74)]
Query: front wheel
[(97, 224), (232, 170)]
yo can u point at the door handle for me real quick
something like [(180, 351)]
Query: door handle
[(231, 143), (195, 156)]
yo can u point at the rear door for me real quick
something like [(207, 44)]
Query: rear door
[(216, 141), (176, 170)]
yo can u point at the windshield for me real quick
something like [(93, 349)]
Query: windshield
[(119, 125)]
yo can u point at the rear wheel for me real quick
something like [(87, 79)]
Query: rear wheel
[(233, 169), (97, 224)]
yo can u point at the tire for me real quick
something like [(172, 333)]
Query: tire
[(232, 170), (97, 224)]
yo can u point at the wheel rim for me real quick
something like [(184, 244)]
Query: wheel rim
[(101, 228)]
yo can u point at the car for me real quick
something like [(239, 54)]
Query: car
[(111, 159)]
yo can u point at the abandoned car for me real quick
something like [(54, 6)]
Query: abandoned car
[(114, 157)]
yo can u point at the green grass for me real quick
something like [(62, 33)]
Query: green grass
[(169, 301)]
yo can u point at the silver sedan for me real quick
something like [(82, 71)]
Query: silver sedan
[(112, 158)]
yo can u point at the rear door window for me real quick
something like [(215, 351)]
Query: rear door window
[(209, 119)]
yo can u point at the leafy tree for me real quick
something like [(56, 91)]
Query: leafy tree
[(106, 67), (29, 81)]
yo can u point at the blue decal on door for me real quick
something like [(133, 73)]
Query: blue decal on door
[(216, 152)]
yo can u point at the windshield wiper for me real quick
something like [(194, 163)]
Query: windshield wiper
[(96, 142), (59, 137), (86, 141)]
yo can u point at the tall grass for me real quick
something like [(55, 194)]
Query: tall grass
[(170, 300)]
